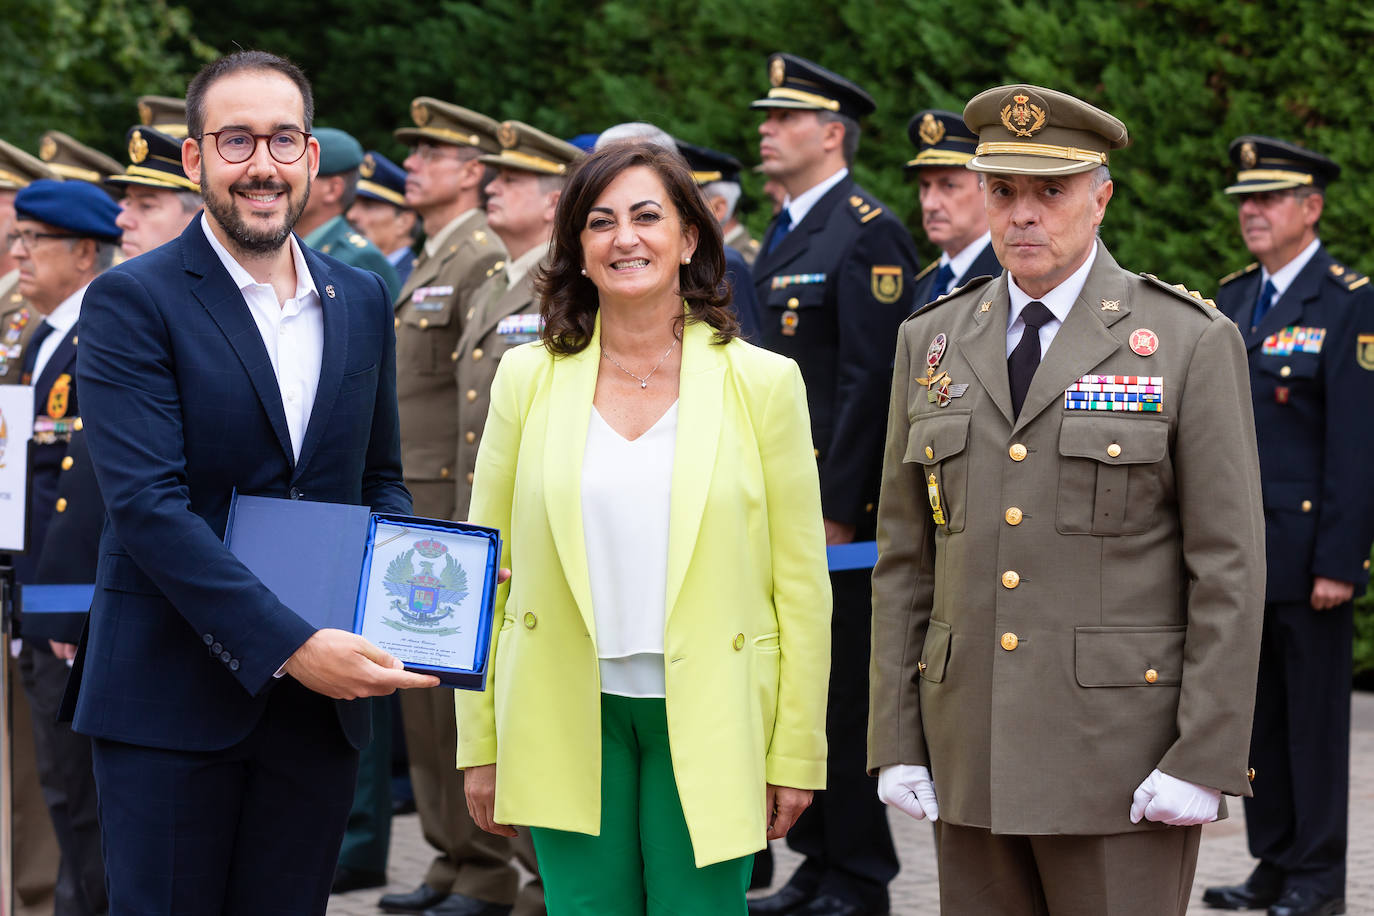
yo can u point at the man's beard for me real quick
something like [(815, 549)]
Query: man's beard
[(246, 237)]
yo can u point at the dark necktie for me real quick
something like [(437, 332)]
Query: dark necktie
[(40, 334), (942, 278), (1022, 363), (781, 227), (1265, 302)]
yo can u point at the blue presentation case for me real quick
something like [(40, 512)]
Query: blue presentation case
[(317, 558)]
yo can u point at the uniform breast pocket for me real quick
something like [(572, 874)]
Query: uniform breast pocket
[(1281, 374), (426, 334), (791, 306), (1111, 474), (938, 442)]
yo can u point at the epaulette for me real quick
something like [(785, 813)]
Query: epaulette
[(1347, 279), (496, 268), (972, 285), (754, 245), (1186, 294), (927, 269), (1236, 275), (356, 240), (479, 236), (864, 209)]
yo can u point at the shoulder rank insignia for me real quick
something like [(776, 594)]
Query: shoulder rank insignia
[(1183, 292), (423, 600), (1351, 280), (1236, 275), (356, 240), (886, 281), (927, 269)]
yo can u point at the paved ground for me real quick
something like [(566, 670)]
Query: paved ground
[(1223, 860)]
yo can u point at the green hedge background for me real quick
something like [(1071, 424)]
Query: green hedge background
[(1185, 75)]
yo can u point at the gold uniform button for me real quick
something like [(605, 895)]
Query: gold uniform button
[(398, 322), (424, 323), (1366, 564), (921, 667), (1014, 516), (469, 477), (530, 620), (868, 507), (471, 437), (739, 641), (78, 425), (1113, 451), (1011, 578), (1010, 641), (1151, 675), (1017, 452), (472, 395), (471, 312), (62, 504), (1286, 371), (1250, 774), (930, 452), (817, 451), (793, 302), (67, 463), (1307, 505), (453, 356), (477, 354), (443, 472)]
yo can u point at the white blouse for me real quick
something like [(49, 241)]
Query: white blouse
[(626, 492)]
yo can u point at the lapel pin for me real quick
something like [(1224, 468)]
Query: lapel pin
[(1111, 305), (329, 291), (986, 306)]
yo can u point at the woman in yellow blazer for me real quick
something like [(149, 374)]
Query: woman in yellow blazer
[(647, 798)]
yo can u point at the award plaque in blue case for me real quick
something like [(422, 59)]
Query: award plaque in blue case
[(423, 589)]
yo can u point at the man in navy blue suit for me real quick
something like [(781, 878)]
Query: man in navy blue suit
[(231, 358)]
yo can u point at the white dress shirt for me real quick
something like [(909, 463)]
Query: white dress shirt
[(61, 320), (798, 207), (626, 494), (1058, 300), (962, 261), (1284, 276), (292, 331)]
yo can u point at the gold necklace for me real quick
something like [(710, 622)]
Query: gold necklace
[(642, 379)]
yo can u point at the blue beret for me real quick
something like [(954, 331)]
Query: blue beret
[(77, 206), (339, 152), (584, 142), (381, 179)]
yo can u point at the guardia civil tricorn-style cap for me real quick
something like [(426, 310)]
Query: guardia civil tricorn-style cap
[(1266, 164), (1029, 130), (799, 83)]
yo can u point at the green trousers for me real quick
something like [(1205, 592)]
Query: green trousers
[(641, 864)]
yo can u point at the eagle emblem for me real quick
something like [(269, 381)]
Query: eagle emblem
[(424, 599), (931, 130), (1022, 117)]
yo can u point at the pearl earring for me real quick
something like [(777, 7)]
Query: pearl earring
[(584, 271), (687, 260)]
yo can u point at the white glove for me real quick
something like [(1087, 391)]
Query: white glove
[(1167, 800), (908, 788)]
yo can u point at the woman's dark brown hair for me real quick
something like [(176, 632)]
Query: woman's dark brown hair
[(569, 300)]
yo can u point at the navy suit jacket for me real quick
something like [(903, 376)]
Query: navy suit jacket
[(1311, 415), (181, 408)]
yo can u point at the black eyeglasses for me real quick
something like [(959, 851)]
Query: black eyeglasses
[(237, 145), (28, 238)]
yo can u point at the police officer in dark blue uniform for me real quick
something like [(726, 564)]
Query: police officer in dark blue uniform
[(833, 280), (1308, 322), (952, 210), (380, 212)]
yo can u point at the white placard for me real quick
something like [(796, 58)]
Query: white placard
[(424, 595), (16, 429)]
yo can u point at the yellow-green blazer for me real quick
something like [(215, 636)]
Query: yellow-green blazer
[(747, 630)]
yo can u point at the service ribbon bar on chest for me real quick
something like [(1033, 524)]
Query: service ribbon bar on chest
[(1294, 340), (1116, 392)]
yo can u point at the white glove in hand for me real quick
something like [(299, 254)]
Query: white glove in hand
[(1167, 800), (908, 788)]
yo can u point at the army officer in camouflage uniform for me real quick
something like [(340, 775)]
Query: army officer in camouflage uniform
[(1068, 596)]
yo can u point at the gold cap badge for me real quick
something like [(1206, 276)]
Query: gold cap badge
[(777, 71), (145, 114), (138, 147), (1022, 117), (47, 149), (419, 113), (1248, 157), (931, 130), (368, 167), (506, 135)]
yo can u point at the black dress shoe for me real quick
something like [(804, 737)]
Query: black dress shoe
[(416, 901), (1304, 901), (463, 905), (355, 879), (1252, 895), (829, 905), (787, 900)]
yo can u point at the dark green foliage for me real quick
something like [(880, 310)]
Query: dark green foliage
[(1185, 75)]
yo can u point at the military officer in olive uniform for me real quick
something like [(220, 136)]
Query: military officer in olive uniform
[(17, 170), (1067, 601), (952, 212), (73, 160), (1308, 325), (472, 873), (833, 281), (322, 225)]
